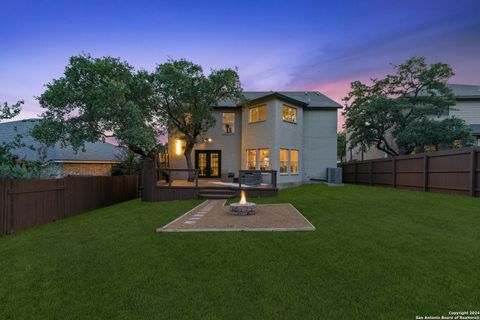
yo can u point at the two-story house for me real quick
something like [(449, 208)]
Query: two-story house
[(294, 133), (467, 107)]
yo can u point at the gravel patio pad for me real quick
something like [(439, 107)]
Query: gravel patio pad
[(213, 215)]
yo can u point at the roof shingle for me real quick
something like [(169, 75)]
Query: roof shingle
[(313, 99), (98, 151)]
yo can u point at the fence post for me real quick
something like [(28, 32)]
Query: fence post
[(8, 207), (355, 171), (3, 206), (425, 172), (394, 173), (274, 178), (473, 172), (371, 173)]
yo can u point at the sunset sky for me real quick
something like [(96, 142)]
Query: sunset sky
[(288, 45)]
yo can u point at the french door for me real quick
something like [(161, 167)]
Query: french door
[(208, 163)]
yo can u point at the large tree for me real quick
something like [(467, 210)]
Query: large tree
[(447, 133), (391, 107), (99, 97), (8, 112), (341, 145), (186, 98)]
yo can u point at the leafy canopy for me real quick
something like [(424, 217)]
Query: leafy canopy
[(8, 112), (11, 167), (392, 107), (186, 97), (100, 96), (341, 145), (97, 97)]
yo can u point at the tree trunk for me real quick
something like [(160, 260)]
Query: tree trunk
[(188, 159)]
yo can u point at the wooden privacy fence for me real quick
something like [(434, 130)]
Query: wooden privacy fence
[(28, 203), (454, 172)]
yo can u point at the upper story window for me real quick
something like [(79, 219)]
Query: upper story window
[(228, 122), (289, 114), (264, 159), (294, 161), (257, 114), (251, 159)]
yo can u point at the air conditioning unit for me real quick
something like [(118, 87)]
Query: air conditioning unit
[(334, 175)]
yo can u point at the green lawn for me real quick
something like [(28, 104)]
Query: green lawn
[(377, 254)]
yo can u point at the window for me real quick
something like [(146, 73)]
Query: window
[(264, 159), (251, 159), (293, 161), (289, 114), (257, 114), (228, 122), (283, 160)]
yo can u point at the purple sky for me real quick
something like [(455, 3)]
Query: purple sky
[(299, 45)]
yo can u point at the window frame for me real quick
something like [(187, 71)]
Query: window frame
[(255, 161), (232, 123), (260, 159), (297, 161), (286, 106), (286, 162), (258, 113)]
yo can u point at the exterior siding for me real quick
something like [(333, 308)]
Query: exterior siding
[(288, 136), (468, 110), (319, 143), (314, 136), (258, 135), (229, 144)]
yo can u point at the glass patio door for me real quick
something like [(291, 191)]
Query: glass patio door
[(208, 163)]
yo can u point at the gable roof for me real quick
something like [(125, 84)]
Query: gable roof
[(465, 91), (308, 99), (94, 152)]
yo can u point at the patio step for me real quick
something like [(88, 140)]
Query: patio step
[(216, 193)]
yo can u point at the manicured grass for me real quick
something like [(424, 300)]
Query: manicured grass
[(376, 254)]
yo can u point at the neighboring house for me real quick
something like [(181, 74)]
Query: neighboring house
[(294, 133), (467, 107), (96, 160)]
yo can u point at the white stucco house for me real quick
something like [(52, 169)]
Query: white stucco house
[(294, 133)]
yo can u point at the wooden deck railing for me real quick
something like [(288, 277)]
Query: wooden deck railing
[(169, 171)]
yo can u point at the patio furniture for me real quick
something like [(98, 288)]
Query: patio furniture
[(228, 176), (252, 177)]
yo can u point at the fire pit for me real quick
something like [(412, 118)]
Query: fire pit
[(243, 208)]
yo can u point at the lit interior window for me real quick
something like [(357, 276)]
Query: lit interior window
[(283, 160), (257, 114), (293, 161), (228, 122), (251, 159), (289, 114), (264, 159)]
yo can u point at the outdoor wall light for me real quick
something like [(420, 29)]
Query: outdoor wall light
[(178, 147), (209, 140)]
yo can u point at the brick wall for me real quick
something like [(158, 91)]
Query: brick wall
[(87, 169)]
